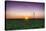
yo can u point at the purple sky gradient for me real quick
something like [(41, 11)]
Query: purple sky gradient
[(22, 5), (25, 8)]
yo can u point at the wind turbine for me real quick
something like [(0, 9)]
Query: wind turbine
[(34, 13)]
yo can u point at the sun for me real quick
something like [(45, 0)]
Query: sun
[(26, 18)]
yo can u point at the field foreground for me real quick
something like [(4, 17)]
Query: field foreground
[(13, 24)]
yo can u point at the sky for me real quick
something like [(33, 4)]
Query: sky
[(16, 9)]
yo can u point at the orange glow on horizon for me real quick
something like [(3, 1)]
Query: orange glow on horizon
[(26, 18), (25, 15)]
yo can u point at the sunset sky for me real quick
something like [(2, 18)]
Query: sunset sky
[(24, 9)]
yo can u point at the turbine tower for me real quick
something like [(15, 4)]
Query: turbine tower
[(34, 14)]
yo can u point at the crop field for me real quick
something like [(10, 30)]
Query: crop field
[(15, 24)]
